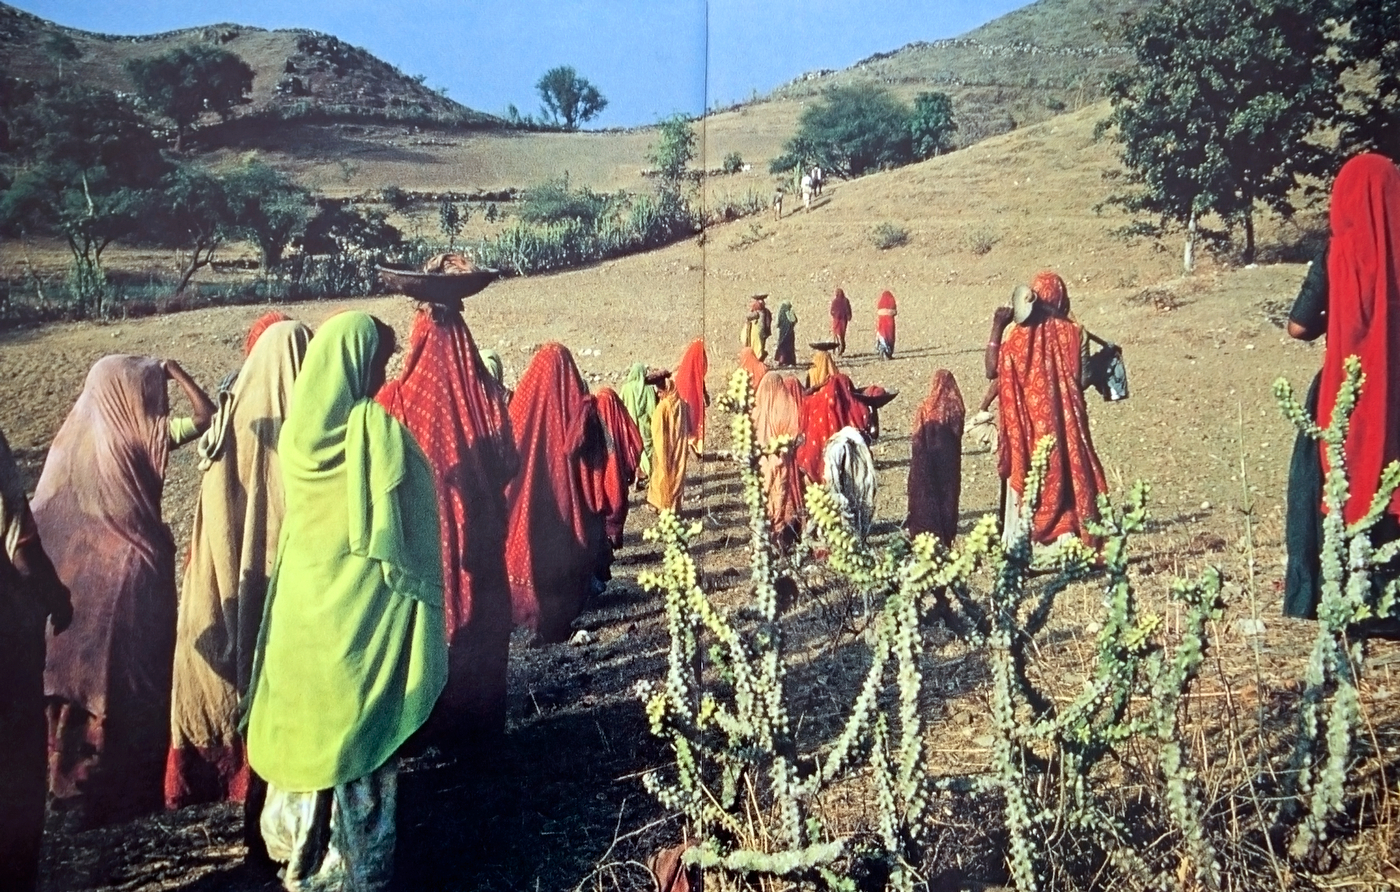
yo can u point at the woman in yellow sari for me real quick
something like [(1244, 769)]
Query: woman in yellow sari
[(670, 426)]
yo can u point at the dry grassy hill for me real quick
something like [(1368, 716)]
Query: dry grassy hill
[(296, 72)]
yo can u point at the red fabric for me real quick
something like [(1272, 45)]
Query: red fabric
[(556, 501), (689, 381), (935, 467), (263, 323), (457, 413), (1049, 289), (624, 441), (840, 314), (1363, 319), (749, 362), (198, 774), (1038, 396), (832, 407), (884, 323)]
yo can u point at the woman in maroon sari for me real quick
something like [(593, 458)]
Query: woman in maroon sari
[(556, 501), (840, 319), (624, 441), (457, 412), (935, 468), (97, 507)]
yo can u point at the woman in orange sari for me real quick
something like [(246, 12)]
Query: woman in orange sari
[(1040, 393), (670, 425), (749, 362)]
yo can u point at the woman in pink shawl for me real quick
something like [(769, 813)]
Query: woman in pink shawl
[(97, 506), (777, 413)]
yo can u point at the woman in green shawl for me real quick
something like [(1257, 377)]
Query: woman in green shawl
[(639, 398), (785, 353), (353, 648)]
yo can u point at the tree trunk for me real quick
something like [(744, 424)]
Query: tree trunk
[(1249, 235), (1188, 258)]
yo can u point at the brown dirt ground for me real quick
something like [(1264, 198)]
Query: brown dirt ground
[(1201, 426)]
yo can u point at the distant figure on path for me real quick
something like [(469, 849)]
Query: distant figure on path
[(785, 351), (808, 186), (1040, 394), (840, 319), (935, 467), (778, 203), (885, 311), (758, 326), (817, 180), (1352, 293)]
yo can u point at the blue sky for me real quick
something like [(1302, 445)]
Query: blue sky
[(648, 57)]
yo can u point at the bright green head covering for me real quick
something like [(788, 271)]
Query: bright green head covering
[(353, 649), (639, 399)]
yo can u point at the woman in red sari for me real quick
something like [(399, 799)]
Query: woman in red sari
[(457, 412), (556, 501), (689, 381), (935, 468), (885, 311), (840, 318), (624, 441), (831, 407), (1039, 390)]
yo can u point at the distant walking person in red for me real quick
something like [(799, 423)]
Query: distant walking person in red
[(885, 312), (840, 318)]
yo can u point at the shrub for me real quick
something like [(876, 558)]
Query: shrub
[(555, 202), (980, 240), (887, 235), (396, 198), (733, 163)]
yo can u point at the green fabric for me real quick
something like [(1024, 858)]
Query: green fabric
[(639, 399), (182, 430), (785, 322), (353, 649), (494, 367)]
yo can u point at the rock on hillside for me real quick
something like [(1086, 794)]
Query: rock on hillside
[(297, 74)]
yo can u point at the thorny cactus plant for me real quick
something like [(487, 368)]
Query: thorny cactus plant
[(1350, 594), (748, 794)]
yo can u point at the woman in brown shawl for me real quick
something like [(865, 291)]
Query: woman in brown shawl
[(935, 468), (557, 500), (777, 413), (237, 522), (97, 506)]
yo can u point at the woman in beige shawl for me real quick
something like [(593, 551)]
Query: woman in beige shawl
[(236, 524)]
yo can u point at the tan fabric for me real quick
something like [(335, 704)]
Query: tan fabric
[(823, 367), (669, 429), (236, 526)]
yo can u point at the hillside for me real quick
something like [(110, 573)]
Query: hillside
[(297, 73), (1019, 69)]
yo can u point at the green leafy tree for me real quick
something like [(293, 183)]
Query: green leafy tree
[(1221, 111), (268, 208), (87, 167), (569, 99), (673, 150), (1369, 50), (852, 131), (185, 83), (931, 125), (195, 214), (61, 48)]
